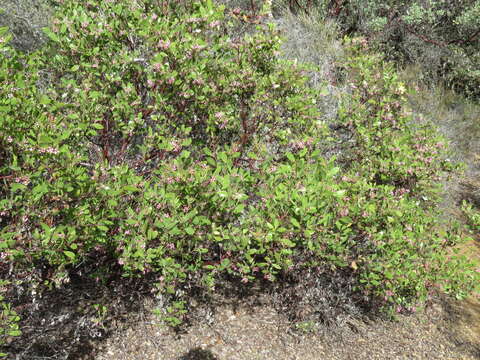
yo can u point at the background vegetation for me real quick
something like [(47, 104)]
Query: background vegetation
[(440, 36)]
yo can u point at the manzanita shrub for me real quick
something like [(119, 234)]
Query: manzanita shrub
[(145, 137)]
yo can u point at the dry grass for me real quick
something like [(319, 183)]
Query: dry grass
[(26, 18), (459, 120)]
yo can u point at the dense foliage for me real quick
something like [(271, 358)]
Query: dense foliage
[(147, 139)]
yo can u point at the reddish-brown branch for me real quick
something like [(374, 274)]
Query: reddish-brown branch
[(294, 3), (471, 38), (125, 143), (336, 7), (430, 40), (105, 143), (423, 37), (245, 129), (252, 6)]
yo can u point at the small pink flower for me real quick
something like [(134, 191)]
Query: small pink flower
[(176, 147), (164, 45), (244, 280), (198, 82), (23, 180), (344, 212), (51, 150), (193, 20)]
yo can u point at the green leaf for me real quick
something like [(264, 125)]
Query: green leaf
[(14, 333), (69, 254), (223, 157), (44, 100), (17, 186), (130, 188), (190, 230), (287, 242), (295, 222), (225, 263), (239, 208), (333, 171), (44, 139), (152, 234), (51, 34)]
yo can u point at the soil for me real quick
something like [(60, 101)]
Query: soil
[(236, 323), (446, 330)]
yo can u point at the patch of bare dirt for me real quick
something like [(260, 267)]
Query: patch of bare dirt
[(260, 332)]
